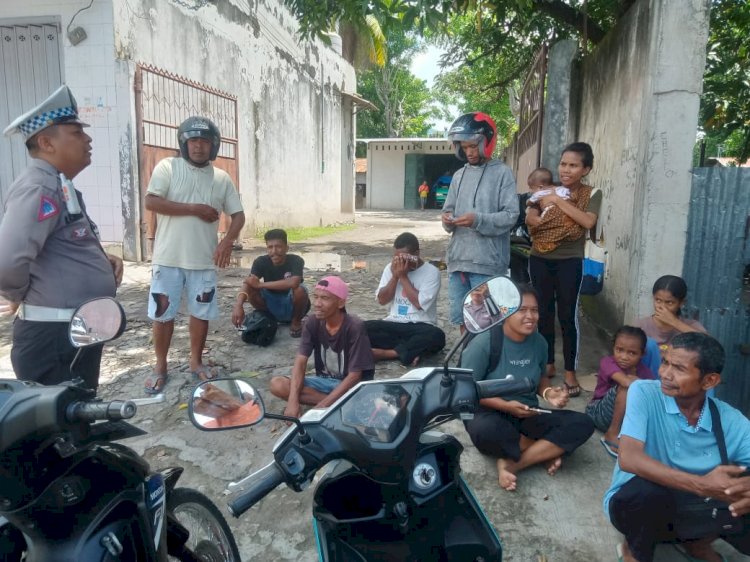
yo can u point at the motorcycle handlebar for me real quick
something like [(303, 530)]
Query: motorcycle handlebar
[(95, 411), (503, 387), (262, 483)]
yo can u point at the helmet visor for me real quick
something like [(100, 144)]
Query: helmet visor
[(196, 134), (465, 137)]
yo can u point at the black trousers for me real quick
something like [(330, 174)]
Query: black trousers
[(558, 282), (644, 512), (42, 352), (498, 434), (410, 340)]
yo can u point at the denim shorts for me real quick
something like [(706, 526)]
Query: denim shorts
[(321, 384), (459, 284), (281, 305), (278, 304), (199, 284)]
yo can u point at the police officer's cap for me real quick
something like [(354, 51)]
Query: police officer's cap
[(60, 108)]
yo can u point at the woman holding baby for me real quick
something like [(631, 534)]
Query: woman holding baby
[(559, 219)]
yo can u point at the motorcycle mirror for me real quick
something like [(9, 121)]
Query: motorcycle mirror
[(485, 306), (490, 303), (225, 403), (96, 321)]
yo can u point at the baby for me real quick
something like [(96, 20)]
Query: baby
[(541, 185)]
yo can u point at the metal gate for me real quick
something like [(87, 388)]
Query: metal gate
[(525, 153), (717, 270), (30, 70), (163, 101)]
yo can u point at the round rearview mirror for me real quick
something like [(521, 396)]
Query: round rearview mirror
[(225, 404), (96, 321), (490, 303)]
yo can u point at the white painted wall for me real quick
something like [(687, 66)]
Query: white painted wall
[(89, 70), (386, 168), (296, 135), (639, 111)]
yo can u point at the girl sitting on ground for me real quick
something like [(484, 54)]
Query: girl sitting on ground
[(616, 372), (666, 322)]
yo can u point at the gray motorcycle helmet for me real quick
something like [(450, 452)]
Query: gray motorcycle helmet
[(198, 127)]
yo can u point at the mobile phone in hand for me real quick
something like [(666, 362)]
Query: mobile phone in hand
[(540, 410)]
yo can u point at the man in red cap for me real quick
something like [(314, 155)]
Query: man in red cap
[(343, 356)]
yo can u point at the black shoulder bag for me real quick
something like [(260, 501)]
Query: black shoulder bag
[(698, 517)]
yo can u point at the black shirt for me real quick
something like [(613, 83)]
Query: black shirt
[(264, 269)]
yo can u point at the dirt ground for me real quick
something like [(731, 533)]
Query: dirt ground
[(548, 519)]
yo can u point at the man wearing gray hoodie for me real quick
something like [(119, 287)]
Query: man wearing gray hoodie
[(479, 211)]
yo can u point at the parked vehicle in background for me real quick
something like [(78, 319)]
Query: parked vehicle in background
[(440, 189)]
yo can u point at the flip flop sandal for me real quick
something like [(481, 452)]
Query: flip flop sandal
[(155, 383), (205, 373), (295, 332), (573, 389), (611, 448)]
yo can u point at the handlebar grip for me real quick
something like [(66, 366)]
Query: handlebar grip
[(95, 411), (262, 483), (503, 387)]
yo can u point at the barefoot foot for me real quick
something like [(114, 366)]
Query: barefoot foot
[(505, 475), (554, 465)]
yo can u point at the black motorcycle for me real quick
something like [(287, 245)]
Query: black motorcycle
[(70, 493), (392, 489)]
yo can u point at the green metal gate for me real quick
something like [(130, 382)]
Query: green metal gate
[(717, 270)]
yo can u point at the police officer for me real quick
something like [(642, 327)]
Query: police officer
[(51, 259)]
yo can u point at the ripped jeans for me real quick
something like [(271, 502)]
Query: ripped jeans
[(167, 284)]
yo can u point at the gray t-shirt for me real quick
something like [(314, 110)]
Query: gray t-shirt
[(523, 360)]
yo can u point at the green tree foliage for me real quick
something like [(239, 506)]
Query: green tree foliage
[(403, 99), (725, 105), (493, 43)]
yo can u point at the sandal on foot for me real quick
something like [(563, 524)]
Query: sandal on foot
[(612, 448), (155, 383), (573, 389), (295, 332), (205, 373)]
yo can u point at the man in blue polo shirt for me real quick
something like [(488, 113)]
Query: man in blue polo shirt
[(667, 443)]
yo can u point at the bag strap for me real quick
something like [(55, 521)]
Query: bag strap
[(718, 430)]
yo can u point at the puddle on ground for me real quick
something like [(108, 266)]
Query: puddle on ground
[(324, 261)]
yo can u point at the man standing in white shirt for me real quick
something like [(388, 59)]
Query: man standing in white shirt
[(189, 194), (410, 287)]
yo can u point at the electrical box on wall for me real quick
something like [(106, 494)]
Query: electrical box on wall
[(76, 35)]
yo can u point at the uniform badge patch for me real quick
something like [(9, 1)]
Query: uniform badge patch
[(47, 209), (80, 232)]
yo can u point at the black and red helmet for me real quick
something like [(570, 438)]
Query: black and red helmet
[(474, 127), (198, 127)]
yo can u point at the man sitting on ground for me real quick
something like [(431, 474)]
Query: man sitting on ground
[(513, 429), (342, 352), (275, 285), (410, 287), (668, 446)]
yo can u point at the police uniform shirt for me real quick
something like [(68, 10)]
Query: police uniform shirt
[(48, 257)]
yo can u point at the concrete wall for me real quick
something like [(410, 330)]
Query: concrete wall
[(296, 134), (639, 111), (386, 168)]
